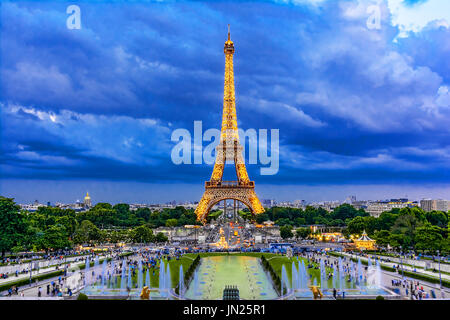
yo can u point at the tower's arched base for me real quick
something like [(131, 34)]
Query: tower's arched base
[(216, 193)]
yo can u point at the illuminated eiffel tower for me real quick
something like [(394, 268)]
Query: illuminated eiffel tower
[(228, 149)]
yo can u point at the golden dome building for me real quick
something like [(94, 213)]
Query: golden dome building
[(87, 201)]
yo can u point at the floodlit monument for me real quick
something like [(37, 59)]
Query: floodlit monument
[(229, 149), (87, 201)]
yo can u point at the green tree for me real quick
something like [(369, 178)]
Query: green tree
[(86, 232), (417, 212), (397, 240), (405, 226), (213, 215), (428, 237), (310, 214), (371, 224), (115, 236), (164, 215), (446, 246), (286, 232), (161, 237), (154, 219), (382, 237), (346, 211), (69, 223), (303, 233), (12, 225), (386, 220), (102, 205), (336, 223), (260, 218), (122, 210), (171, 222), (246, 215), (357, 225), (284, 222), (142, 234), (143, 213), (437, 218), (55, 238), (300, 221)]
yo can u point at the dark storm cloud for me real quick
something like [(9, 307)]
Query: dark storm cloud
[(101, 102)]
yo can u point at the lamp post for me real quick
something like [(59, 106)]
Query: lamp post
[(440, 279), (401, 261), (30, 271), (31, 265), (65, 261)]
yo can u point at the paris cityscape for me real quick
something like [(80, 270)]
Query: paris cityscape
[(148, 162)]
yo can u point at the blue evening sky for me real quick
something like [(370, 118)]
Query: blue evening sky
[(361, 110)]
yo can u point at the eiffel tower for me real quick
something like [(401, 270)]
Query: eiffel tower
[(228, 149)]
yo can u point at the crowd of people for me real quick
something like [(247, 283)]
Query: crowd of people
[(56, 288), (58, 261), (413, 289), (18, 266), (149, 260)]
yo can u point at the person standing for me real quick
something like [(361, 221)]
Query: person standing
[(39, 292)]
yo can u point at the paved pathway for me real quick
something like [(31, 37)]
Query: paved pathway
[(41, 263), (423, 263), (40, 271), (405, 268), (32, 290), (388, 276)]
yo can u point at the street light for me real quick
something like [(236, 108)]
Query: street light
[(65, 261), (440, 279), (31, 265), (30, 270), (401, 261)]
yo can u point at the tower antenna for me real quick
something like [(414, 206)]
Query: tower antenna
[(228, 31)]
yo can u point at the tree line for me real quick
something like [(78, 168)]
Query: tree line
[(55, 228), (51, 228), (405, 228)]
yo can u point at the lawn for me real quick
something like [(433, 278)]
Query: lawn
[(275, 260), (174, 266)]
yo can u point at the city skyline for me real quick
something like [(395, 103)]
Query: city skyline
[(362, 109), (142, 193)]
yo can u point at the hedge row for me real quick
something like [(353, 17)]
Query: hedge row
[(275, 277), (418, 276), (414, 275), (28, 260), (189, 273), (26, 281), (398, 256), (386, 268), (45, 276)]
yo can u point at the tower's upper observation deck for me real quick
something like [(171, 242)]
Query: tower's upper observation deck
[(229, 45)]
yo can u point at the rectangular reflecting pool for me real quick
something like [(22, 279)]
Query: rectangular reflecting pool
[(216, 272)]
